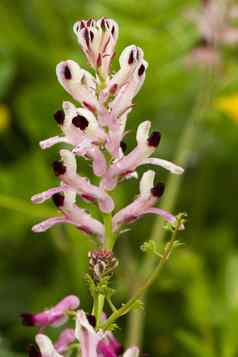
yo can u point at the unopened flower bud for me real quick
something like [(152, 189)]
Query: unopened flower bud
[(102, 263)]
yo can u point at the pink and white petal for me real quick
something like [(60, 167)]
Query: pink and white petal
[(132, 352), (168, 165), (43, 196), (166, 215), (86, 335), (48, 223), (46, 346), (69, 161), (99, 162), (45, 144)]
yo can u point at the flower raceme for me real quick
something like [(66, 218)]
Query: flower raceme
[(95, 128)]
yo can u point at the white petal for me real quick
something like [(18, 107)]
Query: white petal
[(132, 352), (147, 182), (175, 169), (69, 161), (46, 346), (143, 131)]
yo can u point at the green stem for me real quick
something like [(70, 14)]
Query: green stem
[(149, 281), (109, 236), (169, 200)]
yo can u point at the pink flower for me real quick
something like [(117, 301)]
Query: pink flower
[(81, 130), (98, 40), (98, 344), (55, 316), (146, 145), (66, 338), (144, 203)]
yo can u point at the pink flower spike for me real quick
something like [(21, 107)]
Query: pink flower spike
[(66, 337), (46, 347), (56, 316), (79, 83), (86, 335)]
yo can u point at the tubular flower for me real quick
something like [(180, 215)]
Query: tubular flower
[(56, 316), (146, 145), (144, 203), (214, 25)]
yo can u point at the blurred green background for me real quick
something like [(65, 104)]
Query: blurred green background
[(193, 308)]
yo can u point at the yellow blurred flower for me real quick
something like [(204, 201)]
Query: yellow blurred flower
[(4, 117), (228, 105)]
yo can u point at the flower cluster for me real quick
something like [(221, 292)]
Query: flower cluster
[(214, 23), (92, 343), (95, 131)]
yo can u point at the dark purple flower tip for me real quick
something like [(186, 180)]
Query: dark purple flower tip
[(99, 60), (154, 139), (141, 70), (59, 168), (27, 319), (123, 146), (113, 30), (58, 199), (203, 42), (86, 36), (103, 24), (92, 320), (67, 73), (33, 351), (158, 190), (89, 22), (59, 117), (131, 58), (80, 122)]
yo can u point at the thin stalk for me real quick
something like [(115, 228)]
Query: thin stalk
[(109, 236), (148, 282), (168, 203)]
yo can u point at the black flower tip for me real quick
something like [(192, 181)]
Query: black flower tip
[(80, 122), (58, 167), (154, 139), (27, 319), (33, 351), (119, 349), (202, 42), (92, 320), (58, 199), (158, 189), (141, 70), (59, 117), (123, 146), (131, 58), (67, 73), (113, 30)]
